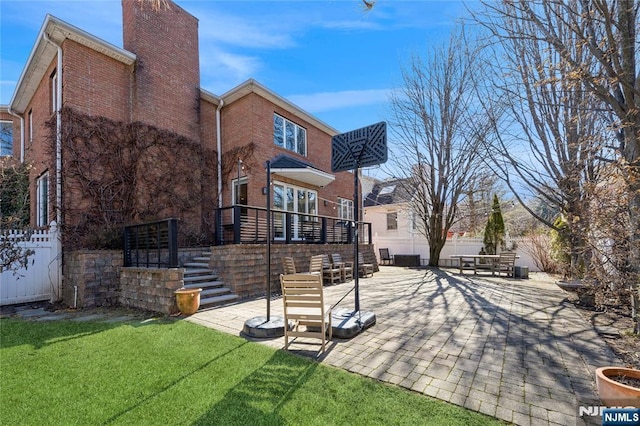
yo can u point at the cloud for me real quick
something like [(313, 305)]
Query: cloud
[(327, 101)]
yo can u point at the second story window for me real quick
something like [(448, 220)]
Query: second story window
[(6, 138), (54, 92), (392, 221), (287, 134)]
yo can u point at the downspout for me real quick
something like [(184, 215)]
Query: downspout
[(58, 131), (21, 117), (219, 148), (57, 295)]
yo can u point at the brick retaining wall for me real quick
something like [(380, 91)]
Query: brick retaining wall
[(150, 289)]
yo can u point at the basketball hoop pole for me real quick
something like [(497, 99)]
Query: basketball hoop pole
[(356, 238)]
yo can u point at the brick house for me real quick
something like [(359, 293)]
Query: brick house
[(155, 79)]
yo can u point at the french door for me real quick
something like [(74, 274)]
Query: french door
[(301, 202)]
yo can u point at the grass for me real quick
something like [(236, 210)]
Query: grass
[(168, 372)]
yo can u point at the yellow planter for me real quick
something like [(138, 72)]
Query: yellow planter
[(188, 300)]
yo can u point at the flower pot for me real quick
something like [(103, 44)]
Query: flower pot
[(188, 300), (572, 286), (614, 393)]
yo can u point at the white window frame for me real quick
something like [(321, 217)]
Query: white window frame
[(299, 132), (294, 206), (30, 118), (392, 228), (54, 91), (9, 150), (42, 200), (346, 208)]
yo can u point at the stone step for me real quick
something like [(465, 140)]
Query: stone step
[(191, 265), (202, 259), (204, 285), (211, 292), (190, 272), (218, 300), (200, 278)]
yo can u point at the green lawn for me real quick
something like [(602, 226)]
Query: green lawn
[(169, 372)]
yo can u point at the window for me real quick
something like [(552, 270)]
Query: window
[(54, 91), (293, 199), (30, 119), (346, 208), (42, 200), (6, 138), (289, 135), (392, 221)]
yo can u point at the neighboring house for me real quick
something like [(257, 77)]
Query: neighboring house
[(155, 79)]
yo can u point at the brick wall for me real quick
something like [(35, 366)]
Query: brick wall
[(243, 267), (150, 289)]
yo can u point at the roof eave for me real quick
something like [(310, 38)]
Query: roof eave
[(252, 86), (43, 53)]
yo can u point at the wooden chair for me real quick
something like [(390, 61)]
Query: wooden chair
[(506, 263), (315, 265), (304, 306), (288, 265), (330, 272), (346, 268), (364, 269), (385, 257)]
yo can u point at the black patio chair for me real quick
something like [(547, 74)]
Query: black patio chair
[(385, 257)]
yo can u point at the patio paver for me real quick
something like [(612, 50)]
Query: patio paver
[(513, 349)]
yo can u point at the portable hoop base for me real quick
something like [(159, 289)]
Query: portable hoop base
[(346, 323), (261, 328)]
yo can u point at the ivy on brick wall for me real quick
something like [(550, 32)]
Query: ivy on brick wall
[(117, 173)]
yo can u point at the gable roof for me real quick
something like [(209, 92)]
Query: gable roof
[(44, 52), (252, 86)]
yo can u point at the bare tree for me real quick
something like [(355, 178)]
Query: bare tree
[(437, 133), (595, 44), (14, 215)]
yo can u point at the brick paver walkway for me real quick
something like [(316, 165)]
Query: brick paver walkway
[(512, 349)]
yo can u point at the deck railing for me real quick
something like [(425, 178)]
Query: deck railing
[(152, 244), (248, 225)]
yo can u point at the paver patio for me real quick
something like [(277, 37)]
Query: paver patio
[(510, 348)]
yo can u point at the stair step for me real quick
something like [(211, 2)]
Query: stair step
[(204, 285), (196, 265), (202, 259), (199, 278), (195, 271), (210, 292), (217, 300)]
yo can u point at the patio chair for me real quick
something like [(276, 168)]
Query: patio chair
[(288, 265), (364, 269), (346, 268), (304, 306), (330, 272), (506, 263), (315, 264), (385, 257)]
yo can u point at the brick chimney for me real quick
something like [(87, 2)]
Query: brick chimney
[(167, 71)]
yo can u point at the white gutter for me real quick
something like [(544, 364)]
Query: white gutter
[(58, 131), (21, 132), (219, 147)]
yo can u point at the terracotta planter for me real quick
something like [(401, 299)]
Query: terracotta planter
[(188, 300), (616, 394)]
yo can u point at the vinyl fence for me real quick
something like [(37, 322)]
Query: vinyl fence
[(41, 279)]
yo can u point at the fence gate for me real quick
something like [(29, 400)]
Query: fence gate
[(42, 278)]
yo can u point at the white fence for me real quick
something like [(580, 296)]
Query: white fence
[(417, 244), (41, 280)]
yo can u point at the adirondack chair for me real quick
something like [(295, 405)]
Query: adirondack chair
[(303, 299), (385, 257), (506, 263)]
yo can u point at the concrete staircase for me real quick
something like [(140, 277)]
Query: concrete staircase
[(198, 275)]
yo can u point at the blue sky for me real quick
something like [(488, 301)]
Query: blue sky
[(331, 58)]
